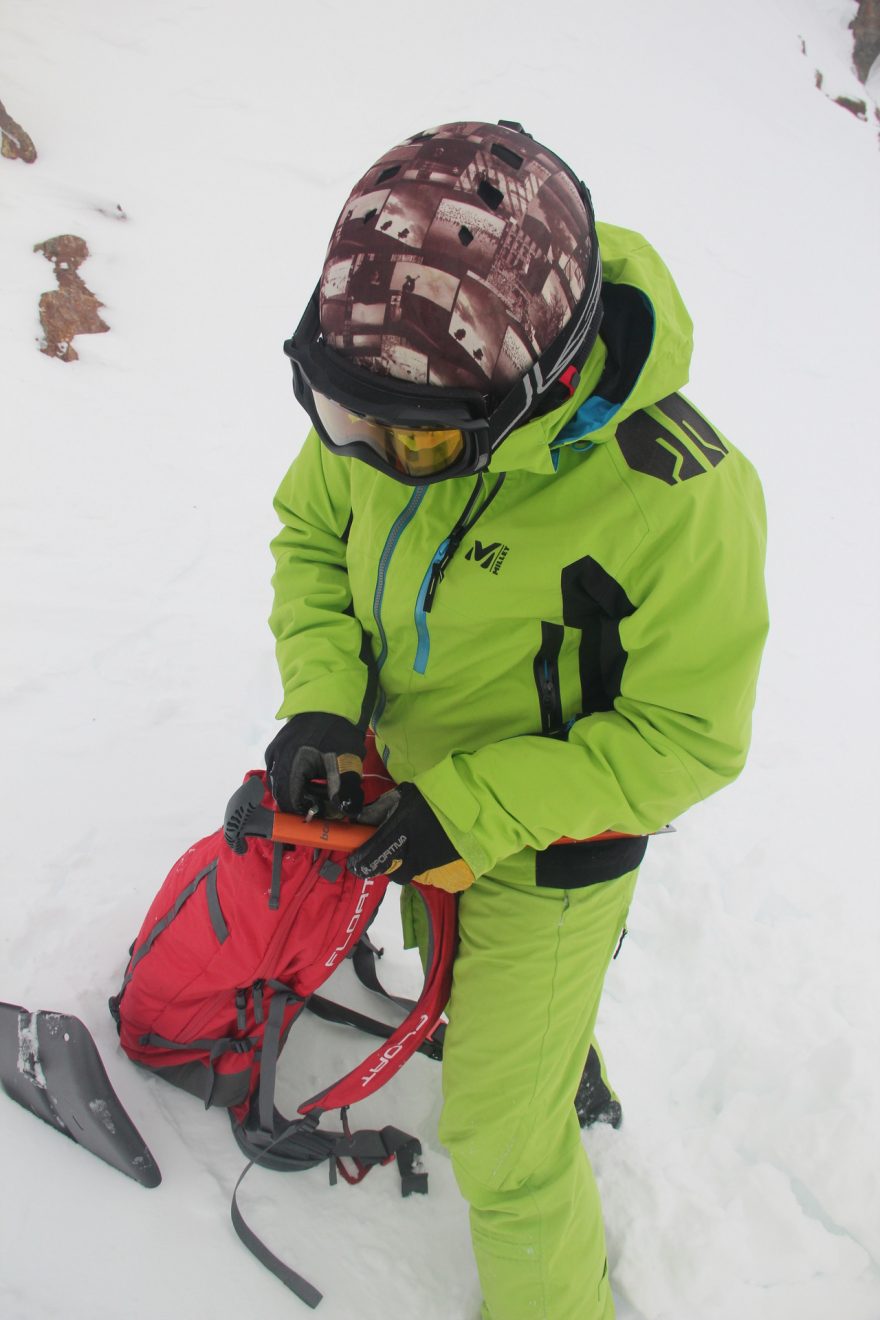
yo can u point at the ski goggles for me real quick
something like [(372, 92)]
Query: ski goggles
[(415, 452), (423, 433), (415, 433)]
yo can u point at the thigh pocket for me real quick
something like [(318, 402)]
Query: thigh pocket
[(576, 865)]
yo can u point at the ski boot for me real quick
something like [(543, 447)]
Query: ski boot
[(595, 1102)]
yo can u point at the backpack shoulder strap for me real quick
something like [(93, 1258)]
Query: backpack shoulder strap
[(419, 1023)]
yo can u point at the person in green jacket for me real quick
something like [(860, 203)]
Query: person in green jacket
[(515, 551)]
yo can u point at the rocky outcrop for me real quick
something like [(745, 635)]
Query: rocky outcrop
[(71, 309), (866, 37), (14, 141)]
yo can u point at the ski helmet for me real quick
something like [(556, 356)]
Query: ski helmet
[(464, 265)]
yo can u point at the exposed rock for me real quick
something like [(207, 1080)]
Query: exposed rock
[(14, 141), (866, 37), (71, 309), (857, 108)]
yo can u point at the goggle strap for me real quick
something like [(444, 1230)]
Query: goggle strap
[(573, 345)]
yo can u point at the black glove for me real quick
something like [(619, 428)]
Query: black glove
[(409, 844), (315, 764)]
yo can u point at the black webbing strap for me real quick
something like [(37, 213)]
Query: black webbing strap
[(299, 1286), (215, 912), (275, 891), (271, 1049), (213, 1048), (363, 960), (365, 1149), (349, 1017), (370, 1147), (300, 1145)]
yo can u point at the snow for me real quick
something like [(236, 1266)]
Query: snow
[(28, 1061), (101, 1111), (137, 679)]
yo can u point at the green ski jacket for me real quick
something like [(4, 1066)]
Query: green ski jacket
[(579, 656)]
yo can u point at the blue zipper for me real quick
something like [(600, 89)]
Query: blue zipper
[(420, 664), (443, 556), (398, 527)]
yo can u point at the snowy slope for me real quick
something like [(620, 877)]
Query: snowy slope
[(137, 678)]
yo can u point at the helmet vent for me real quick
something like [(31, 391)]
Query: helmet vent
[(509, 157), (465, 236), (491, 195), (388, 173)]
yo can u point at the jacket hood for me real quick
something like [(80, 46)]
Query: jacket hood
[(643, 354)]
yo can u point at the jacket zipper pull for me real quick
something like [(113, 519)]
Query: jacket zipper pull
[(456, 536), (439, 567), (433, 584)]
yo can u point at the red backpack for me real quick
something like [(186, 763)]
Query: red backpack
[(244, 931)]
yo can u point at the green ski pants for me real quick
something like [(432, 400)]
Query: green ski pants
[(526, 990)]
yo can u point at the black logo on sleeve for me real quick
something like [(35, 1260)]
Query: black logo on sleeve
[(490, 557), (672, 456)]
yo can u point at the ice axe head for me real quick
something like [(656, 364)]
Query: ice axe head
[(245, 814)]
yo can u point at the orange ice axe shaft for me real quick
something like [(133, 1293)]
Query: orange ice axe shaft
[(338, 835), (247, 818)]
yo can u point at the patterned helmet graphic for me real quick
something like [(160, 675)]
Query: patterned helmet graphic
[(457, 259)]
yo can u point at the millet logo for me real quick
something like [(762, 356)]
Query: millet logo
[(490, 557)]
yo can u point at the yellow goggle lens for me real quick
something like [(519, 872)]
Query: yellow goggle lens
[(416, 452)]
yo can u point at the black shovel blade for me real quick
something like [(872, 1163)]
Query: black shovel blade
[(50, 1064)]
